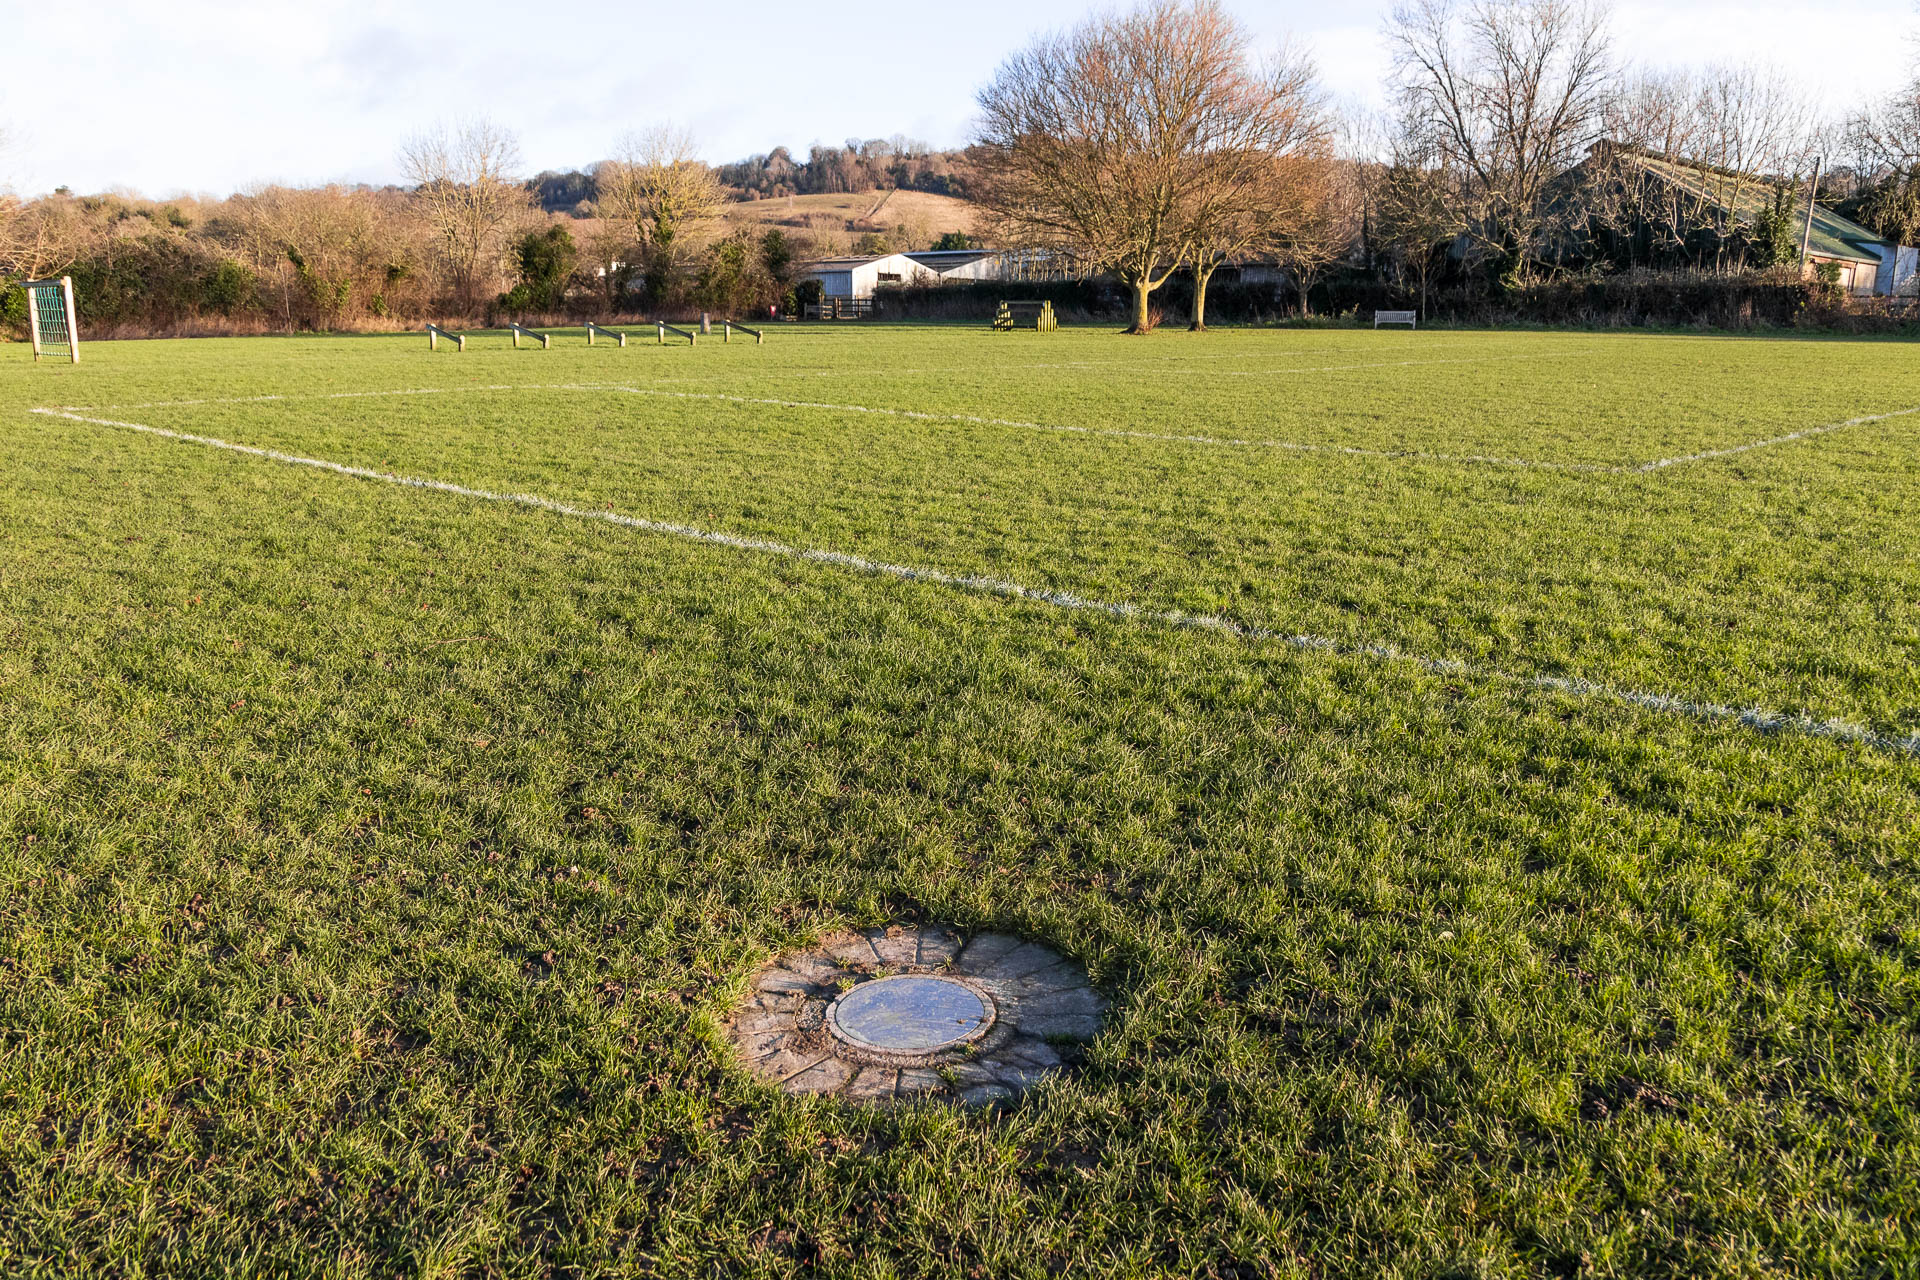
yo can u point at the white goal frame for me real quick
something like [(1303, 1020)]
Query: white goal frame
[(60, 325)]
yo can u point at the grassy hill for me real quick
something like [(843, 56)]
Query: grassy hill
[(916, 217)]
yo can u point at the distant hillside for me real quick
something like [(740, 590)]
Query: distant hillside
[(907, 219), (880, 185), (879, 196), (878, 164)]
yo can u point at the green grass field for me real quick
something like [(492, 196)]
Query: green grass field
[(1500, 848)]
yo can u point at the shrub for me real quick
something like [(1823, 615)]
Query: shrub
[(1773, 238), (230, 288), (776, 254), (13, 309), (728, 282), (545, 260)]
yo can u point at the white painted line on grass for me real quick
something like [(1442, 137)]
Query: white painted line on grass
[(1754, 718), (1293, 446), (1388, 364), (1114, 432), (1225, 373), (1661, 463), (295, 395)]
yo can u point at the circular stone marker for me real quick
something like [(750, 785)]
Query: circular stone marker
[(907, 1012), (912, 1014)]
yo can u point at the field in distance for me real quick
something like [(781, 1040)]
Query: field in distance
[(926, 216), (1481, 770)]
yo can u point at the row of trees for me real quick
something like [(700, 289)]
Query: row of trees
[(1515, 150), (1137, 146), (464, 238), (1521, 137)]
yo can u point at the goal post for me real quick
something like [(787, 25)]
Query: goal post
[(51, 320)]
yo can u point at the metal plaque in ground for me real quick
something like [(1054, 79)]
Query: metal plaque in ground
[(898, 1013)]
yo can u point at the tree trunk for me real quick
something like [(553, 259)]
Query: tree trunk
[(1142, 290), (1201, 275)]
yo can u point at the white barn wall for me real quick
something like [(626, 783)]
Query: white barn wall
[(857, 278)]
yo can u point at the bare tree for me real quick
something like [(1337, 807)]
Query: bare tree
[(1655, 111), (1888, 132), (1260, 183), (1090, 143), (42, 237), (1317, 237), (1885, 142), (466, 189), (1726, 140), (1416, 209), (1511, 92), (1755, 128), (328, 252), (660, 191), (1637, 215)]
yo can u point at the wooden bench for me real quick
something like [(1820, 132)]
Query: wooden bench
[(1407, 318)]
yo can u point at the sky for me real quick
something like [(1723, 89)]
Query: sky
[(165, 97)]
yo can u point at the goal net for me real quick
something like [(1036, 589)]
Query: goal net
[(50, 318)]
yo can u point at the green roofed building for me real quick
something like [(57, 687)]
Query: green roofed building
[(1686, 205)]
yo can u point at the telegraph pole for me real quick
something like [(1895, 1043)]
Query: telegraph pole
[(1806, 234)]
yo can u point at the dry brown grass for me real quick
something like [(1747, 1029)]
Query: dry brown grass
[(925, 215)]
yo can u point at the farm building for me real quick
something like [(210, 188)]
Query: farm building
[(857, 278), (995, 264), (1682, 204)]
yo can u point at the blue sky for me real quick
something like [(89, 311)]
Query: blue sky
[(210, 95)]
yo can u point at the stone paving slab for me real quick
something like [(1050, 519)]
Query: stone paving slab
[(920, 1080), (754, 1021), (898, 947), (1027, 958), (815, 968), (783, 1064), (783, 980), (854, 950), (1039, 1053), (1064, 976), (939, 945), (985, 948), (774, 1001), (874, 1084), (1055, 1001), (1070, 1026), (828, 1075)]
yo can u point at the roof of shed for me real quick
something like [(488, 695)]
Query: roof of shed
[(1833, 236), (951, 257), (843, 264)]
